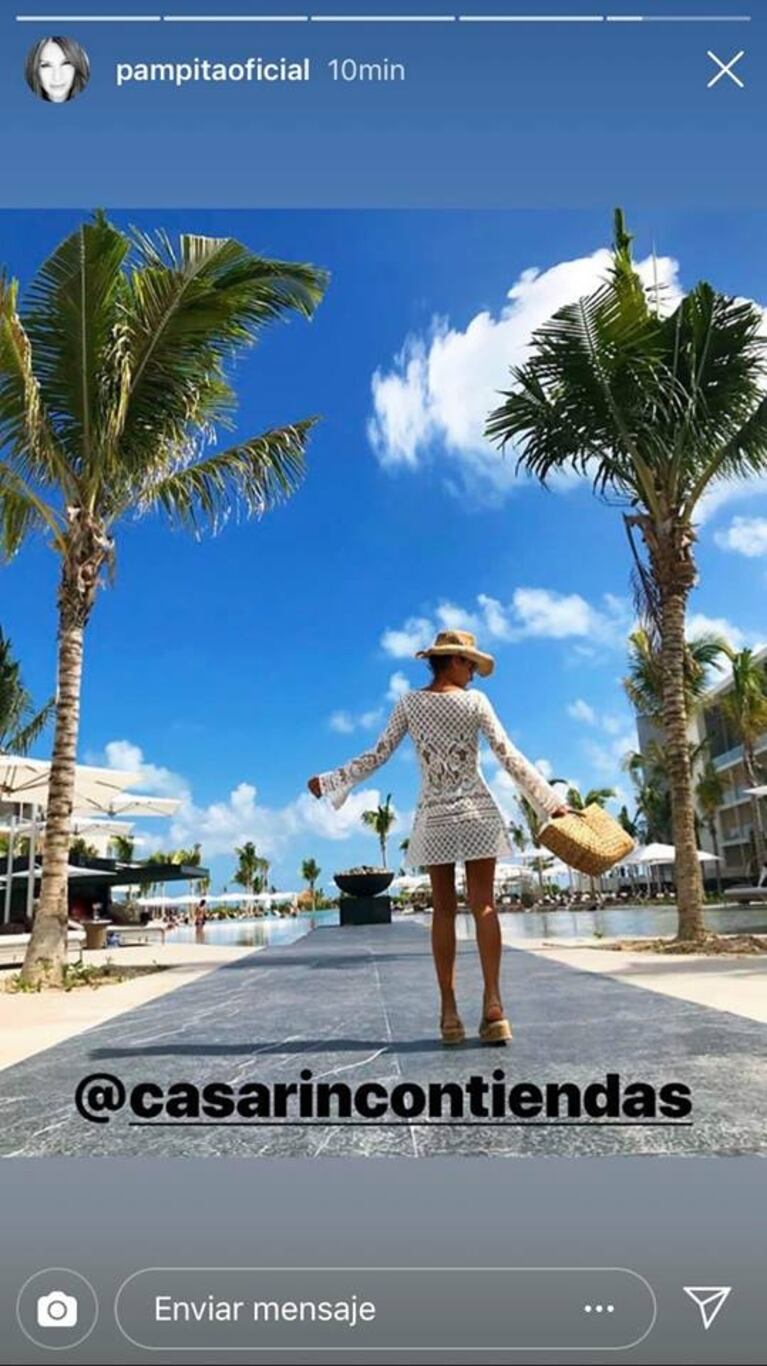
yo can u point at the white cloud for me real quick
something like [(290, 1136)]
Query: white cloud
[(223, 825), (581, 711), (544, 612), (612, 724), (450, 617), (345, 724), (496, 619), (402, 643), (239, 817), (699, 624), (159, 782), (342, 722), (371, 718), (605, 759), (441, 387), (398, 686), (532, 612), (727, 491), (745, 535)]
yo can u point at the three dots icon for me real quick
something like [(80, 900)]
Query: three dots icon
[(599, 1308)]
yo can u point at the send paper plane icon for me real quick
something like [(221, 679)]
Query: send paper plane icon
[(709, 1299)]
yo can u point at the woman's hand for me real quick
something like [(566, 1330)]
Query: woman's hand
[(564, 811), (314, 787)]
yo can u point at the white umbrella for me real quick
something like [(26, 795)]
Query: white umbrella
[(663, 853), (127, 803), (85, 826), (79, 826), (24, 781)]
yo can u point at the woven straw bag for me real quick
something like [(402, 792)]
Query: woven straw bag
[(590, 840)]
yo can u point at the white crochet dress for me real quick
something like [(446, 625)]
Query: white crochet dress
[(457, 817)]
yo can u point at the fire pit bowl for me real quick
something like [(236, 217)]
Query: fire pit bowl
[(363, 881)]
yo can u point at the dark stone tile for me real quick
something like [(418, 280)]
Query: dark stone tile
[(359, 1004)]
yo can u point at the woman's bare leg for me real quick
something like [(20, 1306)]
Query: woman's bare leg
[(480, 879), (444, 904)]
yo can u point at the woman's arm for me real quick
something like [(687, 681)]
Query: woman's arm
[(337, 783), (528, 778)]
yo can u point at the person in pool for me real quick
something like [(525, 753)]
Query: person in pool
[(57, 69), (457, 819)]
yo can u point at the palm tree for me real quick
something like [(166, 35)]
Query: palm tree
[(745, 707), (310, 871), (710, 792), (157, 857), (81, 849), (20, 725), (404, 846), (247, 874), (189, 858), (262, 875), (381, 820), (648, 772), (113, 389), (643, 684), (123, 847), (655, 405), (528, 834), (628, 825), (518, 835)]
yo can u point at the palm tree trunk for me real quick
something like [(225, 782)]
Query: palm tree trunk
[(689, 883), (383, 850), (46, 952)]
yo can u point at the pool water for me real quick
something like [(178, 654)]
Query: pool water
[(614, 922), (257, 933)]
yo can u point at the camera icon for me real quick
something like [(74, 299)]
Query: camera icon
[(57, 1310)]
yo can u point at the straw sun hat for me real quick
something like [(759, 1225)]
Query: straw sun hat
[(459, 643)]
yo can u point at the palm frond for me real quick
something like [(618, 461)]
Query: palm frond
[(651, 405), (188, 308), (21, 509), (25, 434), (23, 739), (254, 475), (70, 314), (744, 453)]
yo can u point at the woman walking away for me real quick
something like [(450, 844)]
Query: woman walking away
[(457, 818)]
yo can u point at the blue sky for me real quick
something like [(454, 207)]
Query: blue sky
[(233, 669)]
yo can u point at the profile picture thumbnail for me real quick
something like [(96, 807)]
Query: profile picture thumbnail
[(57, 69)]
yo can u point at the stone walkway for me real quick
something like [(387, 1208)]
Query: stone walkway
[(359, 1005)]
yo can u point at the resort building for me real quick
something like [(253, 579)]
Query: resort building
[(732, 838), (734, 820)]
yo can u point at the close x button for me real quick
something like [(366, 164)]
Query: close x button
[(726, 69)]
